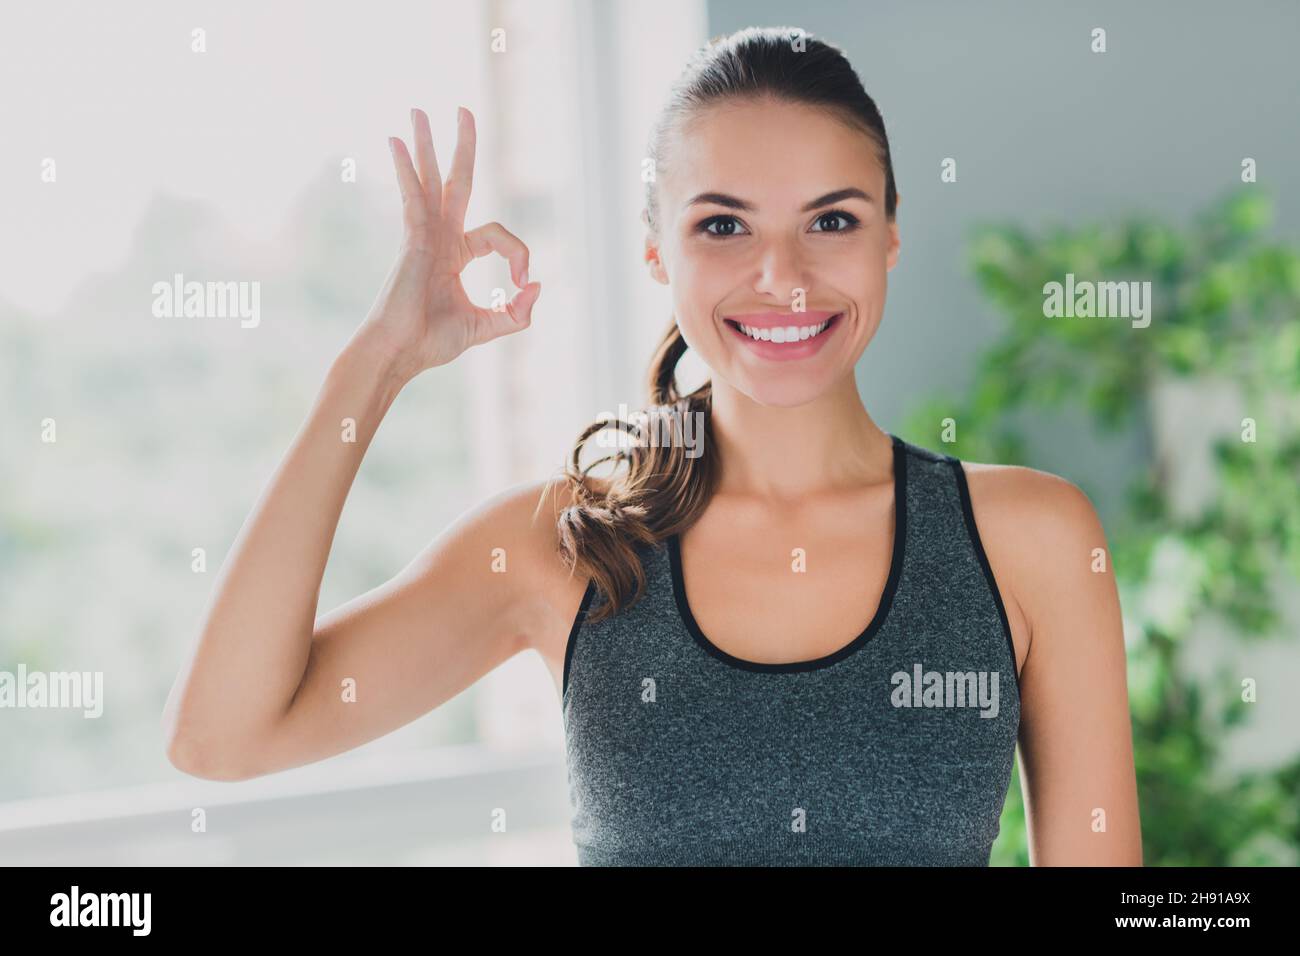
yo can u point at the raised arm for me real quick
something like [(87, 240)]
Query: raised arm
[(266, 685)]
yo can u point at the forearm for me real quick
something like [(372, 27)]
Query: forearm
[(256, 635)]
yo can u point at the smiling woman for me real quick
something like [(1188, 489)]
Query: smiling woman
[(776, 250), (726, 619), (758, 721)]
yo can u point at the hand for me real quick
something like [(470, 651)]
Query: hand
[(422, 318)]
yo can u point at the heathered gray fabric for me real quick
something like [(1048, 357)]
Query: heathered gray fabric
[(679, 754)]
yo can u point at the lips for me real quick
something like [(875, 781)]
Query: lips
[(784, 336)]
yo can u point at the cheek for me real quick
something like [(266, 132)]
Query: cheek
[(871, 258), (872, 276), (702, 279), (701, 262)]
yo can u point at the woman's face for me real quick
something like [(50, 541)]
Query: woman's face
[(756, 230)]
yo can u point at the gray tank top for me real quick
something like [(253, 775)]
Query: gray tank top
[(895, 750)]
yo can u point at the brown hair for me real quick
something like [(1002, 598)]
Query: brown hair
[(662, 490)]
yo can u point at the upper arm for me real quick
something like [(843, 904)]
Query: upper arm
[(465, 604), (1076, 745)]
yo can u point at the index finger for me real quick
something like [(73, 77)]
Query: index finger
[(414, 208)]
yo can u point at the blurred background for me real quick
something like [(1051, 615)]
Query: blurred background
[(246, 142)]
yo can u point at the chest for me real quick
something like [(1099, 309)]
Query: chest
[(790, 591)]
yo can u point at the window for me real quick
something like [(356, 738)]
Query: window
[(218, 145)]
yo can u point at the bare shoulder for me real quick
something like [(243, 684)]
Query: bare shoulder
[(1039, 531), (1035, 509)]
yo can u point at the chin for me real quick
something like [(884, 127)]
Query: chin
[(774, 393)]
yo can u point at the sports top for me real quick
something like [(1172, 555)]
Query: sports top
[(894, 750)]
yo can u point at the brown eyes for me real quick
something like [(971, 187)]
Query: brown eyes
[(727, 224), (851, 221)]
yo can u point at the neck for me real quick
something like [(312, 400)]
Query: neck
[(790, 454)]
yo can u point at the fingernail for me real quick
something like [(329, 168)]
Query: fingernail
[(523, 278)]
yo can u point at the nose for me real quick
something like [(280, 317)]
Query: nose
[(780, 269)]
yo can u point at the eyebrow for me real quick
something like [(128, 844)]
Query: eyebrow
[(731, 202)]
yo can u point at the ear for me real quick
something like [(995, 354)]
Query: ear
[(652, 258), (891, 250)]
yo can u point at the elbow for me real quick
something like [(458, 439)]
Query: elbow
[(191, 757), (184, 756), (198, 752)]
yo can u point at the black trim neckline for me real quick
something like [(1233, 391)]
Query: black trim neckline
[(826, 660)]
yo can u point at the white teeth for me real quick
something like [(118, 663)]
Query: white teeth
[(788, 333)]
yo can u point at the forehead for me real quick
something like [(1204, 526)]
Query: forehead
[(776, 155)]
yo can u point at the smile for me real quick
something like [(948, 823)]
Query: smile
[(784, 333), (768, 336)]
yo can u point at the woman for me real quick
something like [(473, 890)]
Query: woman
[(811, 643)]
